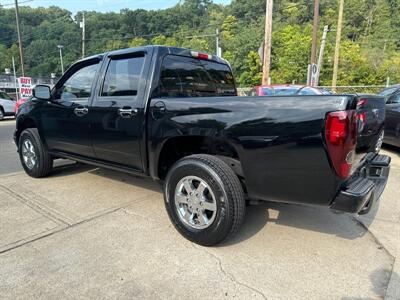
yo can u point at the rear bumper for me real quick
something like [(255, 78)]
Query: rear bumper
[(365, 188)]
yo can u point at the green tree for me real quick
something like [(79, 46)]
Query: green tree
[(290, 54), (163, 40), (253, 74), (137, 42)]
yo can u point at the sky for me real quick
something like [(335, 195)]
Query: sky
[(104, 5)]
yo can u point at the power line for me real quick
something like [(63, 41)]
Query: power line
[(37, 34), (12, 4)]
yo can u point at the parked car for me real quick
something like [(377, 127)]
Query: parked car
[(6, 105), (371, 119), (287, 90), (392, 123), (173, 115), (19, 103), (390, 90)]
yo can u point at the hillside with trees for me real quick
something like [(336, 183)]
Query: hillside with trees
[(370, 48)]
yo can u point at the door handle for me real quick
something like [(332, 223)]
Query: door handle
[(81, 111), (127, 112)]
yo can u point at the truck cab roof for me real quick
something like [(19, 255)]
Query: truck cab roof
[(161, 51)]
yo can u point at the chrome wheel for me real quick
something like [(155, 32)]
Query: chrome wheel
[(29, 154), (195, 202)]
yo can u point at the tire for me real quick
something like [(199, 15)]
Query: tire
[(214, 215), (1, 114), (38, 163)]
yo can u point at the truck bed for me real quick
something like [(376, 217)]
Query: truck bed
[(279, 140)]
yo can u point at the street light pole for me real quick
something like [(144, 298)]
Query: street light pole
[(60, 47), (83, 26)]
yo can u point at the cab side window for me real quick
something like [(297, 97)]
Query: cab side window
[(78, 86), (123, 77)]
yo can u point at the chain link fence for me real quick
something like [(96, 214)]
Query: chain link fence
[(351, 89)]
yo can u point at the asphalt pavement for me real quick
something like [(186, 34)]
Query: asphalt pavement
[(9, 160)]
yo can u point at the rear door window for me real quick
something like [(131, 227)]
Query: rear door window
[(123, 76), (190, 77)]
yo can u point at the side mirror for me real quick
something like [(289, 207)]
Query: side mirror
[(42, 92)]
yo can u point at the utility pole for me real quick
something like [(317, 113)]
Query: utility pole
[(21, 52), (315, 32), (267, 42), (60, 47), (321, 53), (82, 25), (337, 45)]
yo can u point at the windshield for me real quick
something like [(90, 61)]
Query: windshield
[(279, 91), (388, 91), (3, 95)]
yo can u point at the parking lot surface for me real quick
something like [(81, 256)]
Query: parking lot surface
[(86, 232)]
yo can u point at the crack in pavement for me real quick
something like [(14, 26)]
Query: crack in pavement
[(226, 273)]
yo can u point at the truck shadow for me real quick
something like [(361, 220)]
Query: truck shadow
[(318, 219), (68, 168)]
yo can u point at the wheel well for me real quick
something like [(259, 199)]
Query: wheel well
[(27, 123), (1, 108), (179, 147)]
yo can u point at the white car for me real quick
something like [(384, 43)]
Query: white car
[(7, 105)]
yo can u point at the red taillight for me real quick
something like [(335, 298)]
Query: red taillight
[(362, 119), (341, 139), (200, 55)]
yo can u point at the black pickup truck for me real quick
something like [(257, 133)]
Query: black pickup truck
[(172, 114)]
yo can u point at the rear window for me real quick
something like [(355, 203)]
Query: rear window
[(190, 77)]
